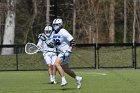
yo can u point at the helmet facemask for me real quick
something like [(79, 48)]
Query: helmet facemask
[(57, 24), (47, 32), (57, 27)]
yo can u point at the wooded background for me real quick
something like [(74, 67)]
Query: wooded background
[(89, 21)]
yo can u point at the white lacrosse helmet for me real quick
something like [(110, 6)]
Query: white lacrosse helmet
[(57, 24), (48, 30), (57, 21)]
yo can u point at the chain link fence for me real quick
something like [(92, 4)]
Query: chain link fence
[(83, 56)]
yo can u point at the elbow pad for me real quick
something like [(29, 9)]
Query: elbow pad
[(72, 43)]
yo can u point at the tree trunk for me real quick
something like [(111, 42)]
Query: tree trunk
[(48, 12), (134, 23), (138, 20), (97, 25), (111, 22), (30, 25), (74, 19), (9, 31), (125, 21), (2, 19)]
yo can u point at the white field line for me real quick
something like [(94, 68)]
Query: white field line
[(96, 73), (100, 73)]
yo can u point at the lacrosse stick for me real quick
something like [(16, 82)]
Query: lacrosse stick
[(31, 48)]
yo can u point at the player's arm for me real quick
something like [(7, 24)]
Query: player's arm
[(70, 38), (41, 38), (39, 44), (67, 35)]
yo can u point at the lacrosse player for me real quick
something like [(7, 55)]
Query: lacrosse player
[(64, 42), (49, 52)]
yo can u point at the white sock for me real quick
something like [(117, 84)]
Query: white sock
[(51, 77), (77, 77), (63, 79)]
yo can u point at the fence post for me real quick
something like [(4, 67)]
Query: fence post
[(135, 65), (134, 56), (16, 57), (95, 57)]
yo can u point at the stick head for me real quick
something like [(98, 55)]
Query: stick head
[(31, 48)]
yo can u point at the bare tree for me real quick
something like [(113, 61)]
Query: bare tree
[(48, 12), (74, 18), (125, 21), (31, 21), (138, 20), (97, 25), (111, 21), (86, 22), (9, 31), (2, 19), (134, 23)]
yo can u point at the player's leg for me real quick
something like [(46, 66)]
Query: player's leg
[(54, 68), (48, 62), (50, 72), (65, 66), (72, 74), (59, 68), (54, 74), (68, 70)]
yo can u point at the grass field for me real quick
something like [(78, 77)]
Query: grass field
[(94, 81)]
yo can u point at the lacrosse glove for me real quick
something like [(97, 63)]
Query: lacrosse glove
[(50, 43), (42, 36)]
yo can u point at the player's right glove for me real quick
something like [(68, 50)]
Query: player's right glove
[(50, 43)]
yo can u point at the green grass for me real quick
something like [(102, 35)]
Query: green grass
[(115, 57), (115, 81)]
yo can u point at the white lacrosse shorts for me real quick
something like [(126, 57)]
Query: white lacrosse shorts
[(50, 57), (65, 56)]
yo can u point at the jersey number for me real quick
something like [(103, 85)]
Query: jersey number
[(57, 40)]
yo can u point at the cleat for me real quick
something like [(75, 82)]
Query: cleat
[(63, 84), (54, 82), (79, 80), (51, 82)]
